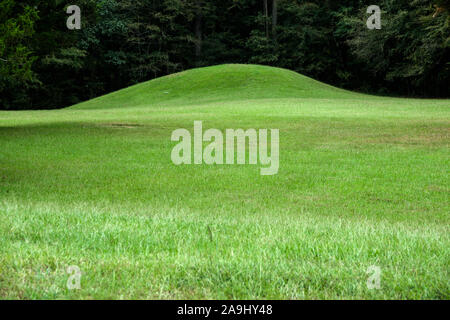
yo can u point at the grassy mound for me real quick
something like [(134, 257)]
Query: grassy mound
[(219, 83)]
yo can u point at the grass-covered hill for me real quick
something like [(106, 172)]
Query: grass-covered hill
[(219, 83), (363, 181)]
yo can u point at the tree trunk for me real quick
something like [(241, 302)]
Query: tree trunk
[(266, 18), (198, 31), (274, 19)]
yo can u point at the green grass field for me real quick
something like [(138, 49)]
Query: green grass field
[(363, 181)]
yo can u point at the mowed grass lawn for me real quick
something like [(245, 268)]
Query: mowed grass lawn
[(363, 181)]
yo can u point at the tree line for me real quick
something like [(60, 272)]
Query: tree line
[(123, 42)]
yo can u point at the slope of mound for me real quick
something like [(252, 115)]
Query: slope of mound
[(218, 83)]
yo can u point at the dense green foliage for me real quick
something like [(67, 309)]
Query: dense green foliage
[(126, 42), (363, 181), (16, 28)]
